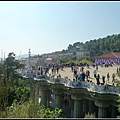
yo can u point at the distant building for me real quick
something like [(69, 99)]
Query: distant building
[(82, 53), (57, 54), (49, 60)]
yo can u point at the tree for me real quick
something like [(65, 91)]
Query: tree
[(99, 46), (9, 80), (14, 95), (63, 51), (63, 59)]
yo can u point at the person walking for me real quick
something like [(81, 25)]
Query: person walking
[(57, 69), (113, 77), (95, 73), (103, 79), (98, 79), (108, 76)]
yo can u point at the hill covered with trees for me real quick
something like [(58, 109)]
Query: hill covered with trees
[(97, 47)]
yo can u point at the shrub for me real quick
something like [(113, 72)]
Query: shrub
[(30, 110)]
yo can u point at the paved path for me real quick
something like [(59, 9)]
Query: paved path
[(101, 71)]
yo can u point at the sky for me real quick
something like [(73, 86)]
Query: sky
[(46, 27)]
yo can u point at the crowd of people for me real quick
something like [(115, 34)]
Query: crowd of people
[(79, 73)]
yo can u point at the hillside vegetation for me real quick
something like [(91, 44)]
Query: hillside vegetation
[(97, 47)]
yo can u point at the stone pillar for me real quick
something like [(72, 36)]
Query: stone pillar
[(96, 111), (78, 105), (52, 104), (34, 90), (102, 108), (43, 85), (57, 90), (48, 97), (85, 106), (37, 94), (72, 107), (77, 109), (44, 98), (113, 112), (69, 100), (102, 112), (31, 92), (58, 101), (91, 106)]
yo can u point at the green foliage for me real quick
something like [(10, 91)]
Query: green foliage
[(63, 59), (22, 92), (86, 61), (9, 81), (118, 107), (116, 80), (31, 110), (33, 67), (118, 73), (14, 95), (97, 47), (89, 115), (76, 61)]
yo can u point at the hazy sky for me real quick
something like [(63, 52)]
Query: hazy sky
[(46, 27)]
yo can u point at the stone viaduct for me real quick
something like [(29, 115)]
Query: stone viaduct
[(83, 96)]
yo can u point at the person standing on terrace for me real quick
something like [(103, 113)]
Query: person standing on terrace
[(113, 77), (96, 67), (108, 76), (95, 73), (98, 79), (103, 78)]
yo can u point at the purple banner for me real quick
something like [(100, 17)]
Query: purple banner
[(107, 61)]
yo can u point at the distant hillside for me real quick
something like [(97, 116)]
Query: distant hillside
[(97, 47), (23, 56)]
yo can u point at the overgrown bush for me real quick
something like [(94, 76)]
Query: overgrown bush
[(30, 110), (118, 73)]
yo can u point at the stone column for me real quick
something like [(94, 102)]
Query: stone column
[(96, 111), (85, 106), (43, 85), (37, 94), (72, 107), (52, 104), (58, 102), (44, 98), (102, 108), (57, 90), (102, 112), (69, 100), (91, 106), (77, 109), (78, 105), (48, 97), (113, 112)]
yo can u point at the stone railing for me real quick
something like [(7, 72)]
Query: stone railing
[(29, 75), (90, 86)]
